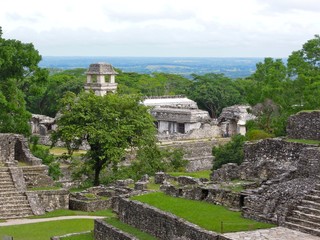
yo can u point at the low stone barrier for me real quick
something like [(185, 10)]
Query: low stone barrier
[(213, 195), (105, 231), (160, 224), (89, 206), (48, 200)]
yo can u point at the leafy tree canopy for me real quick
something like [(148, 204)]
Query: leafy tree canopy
[(19, 73), (213, 92), (110, 124)]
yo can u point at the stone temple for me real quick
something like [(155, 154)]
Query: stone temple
[(96, 79)]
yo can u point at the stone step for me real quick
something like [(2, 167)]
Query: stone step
[(312, 198), (14, 207), (6, 184), (315, 192), (303, 222), (20, 214), (317, 187), (311, 204), (12, 198), (309, 210), (4, 169), (308, 217), (312, 231)]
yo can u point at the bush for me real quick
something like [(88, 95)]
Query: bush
[(48, 159), (232, 152), (256, 134), (149, 160)]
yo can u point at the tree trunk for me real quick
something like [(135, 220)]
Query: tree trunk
[(97, 170)]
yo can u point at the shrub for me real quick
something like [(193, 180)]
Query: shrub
[(48, 159), (232, 152), (256, 134)]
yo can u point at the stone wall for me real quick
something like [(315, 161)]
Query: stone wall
[(89, 206), (304, 125), (198, 153), (37, 176), (105, 231), (159, 223), (209, 194), (51, 200)]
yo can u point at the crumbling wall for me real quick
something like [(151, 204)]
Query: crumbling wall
[(304, 125), (13, 148), (160, 224)]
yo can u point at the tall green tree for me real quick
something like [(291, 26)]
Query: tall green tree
[(19, 73), (304, 68), (110, 124), (213, 92)]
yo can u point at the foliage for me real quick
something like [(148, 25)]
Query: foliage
[(19, 75), (198, 174), (231, 152), (149, 160), (155, 84), (213, 92), (203, 214), (58, 84), (45, 230), (110, 124), (48, 159), (256, 134), (129, 229)]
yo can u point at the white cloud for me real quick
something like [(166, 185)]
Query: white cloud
[(166, 27)]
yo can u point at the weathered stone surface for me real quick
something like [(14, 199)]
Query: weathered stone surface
[(160, 224), (89, 205), (140, 185), (50, 200), (304, 125), (227, 172), (105, 231), (186, 180), (209, 194), (159, 177), (14, 147)]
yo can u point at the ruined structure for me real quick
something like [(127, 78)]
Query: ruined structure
[(96, 81), (19, 169), (304, 125), (176, 114), (288, 175), (232, 120)]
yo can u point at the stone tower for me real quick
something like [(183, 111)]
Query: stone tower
[(96, 79)]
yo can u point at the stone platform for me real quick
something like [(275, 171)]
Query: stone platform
[(277, 233)]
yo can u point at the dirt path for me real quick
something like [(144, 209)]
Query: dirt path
[(11, 222)]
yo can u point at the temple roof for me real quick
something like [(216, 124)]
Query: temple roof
[(101, 68)]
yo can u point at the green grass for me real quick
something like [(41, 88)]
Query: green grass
[(129, 229), (199, 174), (66, 212), (84, 236), (205, 215), (305, 141), (45, 230)]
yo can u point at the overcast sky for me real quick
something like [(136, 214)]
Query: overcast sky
[(194, 28)]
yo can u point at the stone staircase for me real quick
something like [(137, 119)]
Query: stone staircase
[(13, 204), (306, 217)]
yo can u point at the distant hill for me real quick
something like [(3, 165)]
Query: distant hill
[(231, 67)]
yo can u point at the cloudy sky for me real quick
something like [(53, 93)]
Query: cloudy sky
[(194, 28)]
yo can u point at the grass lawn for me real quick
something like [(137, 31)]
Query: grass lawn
[(66, 212), (205, 215), (129, 229), (305, 141), (199, 174), (45, 230)]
